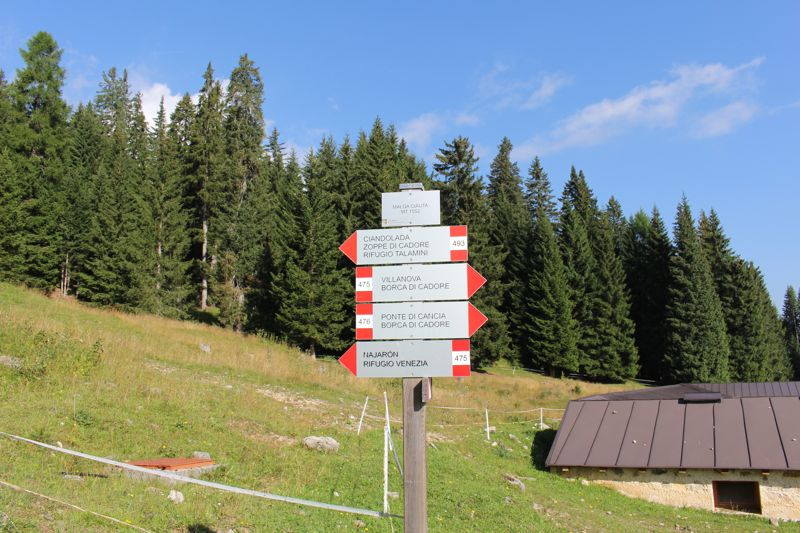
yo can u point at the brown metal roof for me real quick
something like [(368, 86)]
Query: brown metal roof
[(727, 390), (752, 426)]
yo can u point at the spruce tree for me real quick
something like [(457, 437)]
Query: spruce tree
[(463, 203), (697, 342), (511, 230), (646, 254), (315, 303), (548, 330), (538, 191), (243, 193), (87, 145), (206, 165), (614, 352), (791, 328), (38, 148), (372, 161), (116, 264), (581, 269), (171, 232)]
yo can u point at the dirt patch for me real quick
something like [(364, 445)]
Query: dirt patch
[(434, 438), (290, 398), (252, 431)]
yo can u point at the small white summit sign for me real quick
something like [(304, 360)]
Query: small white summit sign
[(410, 208)]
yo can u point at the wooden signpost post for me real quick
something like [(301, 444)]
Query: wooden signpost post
[(413, 320)]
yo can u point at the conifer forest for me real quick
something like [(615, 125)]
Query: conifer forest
[(204, 215)]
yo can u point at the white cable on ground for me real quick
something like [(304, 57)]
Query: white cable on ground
[(73, 506), (212, 484)]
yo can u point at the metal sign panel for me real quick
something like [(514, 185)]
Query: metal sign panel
[(417, 320), (410, 208), (406, 359), (425, 244), (411, 283)]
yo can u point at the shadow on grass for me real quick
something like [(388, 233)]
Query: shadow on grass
[(540, 447), (200, 528), (209, 316)]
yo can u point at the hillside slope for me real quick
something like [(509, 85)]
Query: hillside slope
[(135, 386)]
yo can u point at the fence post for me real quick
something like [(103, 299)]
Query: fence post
[(361, 420), (541, 418), (486, 411), (385, 456)]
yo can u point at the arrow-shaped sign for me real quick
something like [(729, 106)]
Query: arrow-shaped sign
[(403, 283), (397, 359), (422, 244), (417, 320)]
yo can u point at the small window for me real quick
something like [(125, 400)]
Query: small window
[(741, 496)]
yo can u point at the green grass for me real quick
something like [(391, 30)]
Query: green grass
[(131, 387)]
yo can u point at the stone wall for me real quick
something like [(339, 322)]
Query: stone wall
[(780, 491)]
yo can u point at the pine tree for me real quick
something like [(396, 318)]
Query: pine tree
[(614, 353), (618, 223), (282, 231), (646, 256), (171, 232), (38, 149), (538, 192), (244, 193), (463, 203), (87, 146), (716, 247), (315, 308), (697, 342), (511, 229), (791, 327), (548, 329), (116, 264), (206, 163), (581, 269), (372, 161)]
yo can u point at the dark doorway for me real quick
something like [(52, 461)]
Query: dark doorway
[(737, 496)]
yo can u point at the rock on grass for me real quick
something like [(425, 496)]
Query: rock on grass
[(321, 444)]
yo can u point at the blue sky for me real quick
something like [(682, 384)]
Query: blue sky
[(652, 100)]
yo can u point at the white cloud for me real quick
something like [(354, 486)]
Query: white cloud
[(151, 100), (300, 151), (334, 105), (658, 104), (548, 87), (466, 119), (499, 91), (152, 92), (419, 131), (725, 119)]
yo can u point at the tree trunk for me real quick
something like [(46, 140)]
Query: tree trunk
[(65, 276), (204, 274)]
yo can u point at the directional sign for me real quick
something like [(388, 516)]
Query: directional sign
[(410, 208), (404, 283), (399, 359), (424, 244), (417, 320)]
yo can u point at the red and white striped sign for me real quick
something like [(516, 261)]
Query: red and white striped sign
[(408, 358), (417, 320), (416, 244), (416, 283)]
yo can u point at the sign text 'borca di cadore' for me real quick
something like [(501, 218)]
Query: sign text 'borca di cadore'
[(413, 317)]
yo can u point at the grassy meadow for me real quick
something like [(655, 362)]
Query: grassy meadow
[(136, 386)]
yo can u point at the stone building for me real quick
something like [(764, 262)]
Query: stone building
[(733, 446)]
